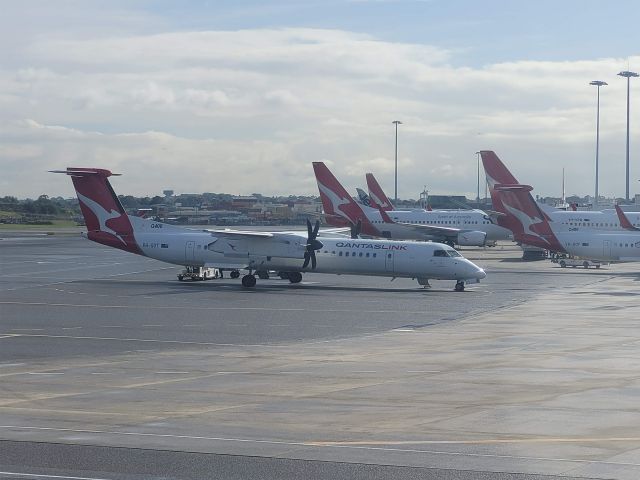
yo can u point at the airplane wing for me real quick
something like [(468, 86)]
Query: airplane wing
[(241, 233), (432, 229)]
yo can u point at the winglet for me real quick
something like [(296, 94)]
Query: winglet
[(624, 221)]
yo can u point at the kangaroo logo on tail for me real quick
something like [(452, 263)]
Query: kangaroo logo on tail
[(339, 208), (377, 194), (106, 220), (522, 215)]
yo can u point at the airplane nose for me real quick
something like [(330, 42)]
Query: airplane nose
[(480, 273)]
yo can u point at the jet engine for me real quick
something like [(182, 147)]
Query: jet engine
[(472, 238)]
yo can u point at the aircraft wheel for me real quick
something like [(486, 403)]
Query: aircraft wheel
[(585, 264), (248, 281), (283, 275), (234, 274), (563, 264), (459, 287), (597, 266), (180, 278), (295, 277)]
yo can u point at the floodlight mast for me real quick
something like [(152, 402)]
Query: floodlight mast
[(396, 122), (627, 74), (597, 83)]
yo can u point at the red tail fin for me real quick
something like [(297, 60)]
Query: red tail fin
[(339, 208), (106, 220), (624, 221), (497, 174), (523, 217), (377, 195)]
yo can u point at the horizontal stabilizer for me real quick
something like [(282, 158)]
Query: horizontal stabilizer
[(81, 172), (513, 187)]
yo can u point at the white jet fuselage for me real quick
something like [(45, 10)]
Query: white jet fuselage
[(605, 246), (460, 219)]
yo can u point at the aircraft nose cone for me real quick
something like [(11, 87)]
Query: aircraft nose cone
[(480, 274)]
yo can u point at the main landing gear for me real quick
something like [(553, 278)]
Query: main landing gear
[(459, 286), (249, 281)]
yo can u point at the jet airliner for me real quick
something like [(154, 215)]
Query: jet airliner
[(532, 226), (465, 227)]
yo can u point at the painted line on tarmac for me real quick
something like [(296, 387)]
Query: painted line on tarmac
[(188, 307), (41, 475), (145, 340), (72, 280), (347, 445)]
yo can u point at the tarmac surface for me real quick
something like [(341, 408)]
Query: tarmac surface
[(111, 368)]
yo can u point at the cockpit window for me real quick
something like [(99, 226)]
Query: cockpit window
[(446, 253)]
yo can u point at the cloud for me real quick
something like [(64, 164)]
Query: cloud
[(247, 110)]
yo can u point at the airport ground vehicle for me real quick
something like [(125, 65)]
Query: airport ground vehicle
[(199, 273), (576, 262)]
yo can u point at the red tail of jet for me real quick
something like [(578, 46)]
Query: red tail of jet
[(624, 221), (339, 207), (377, 195), (107, 222), (522, 215)]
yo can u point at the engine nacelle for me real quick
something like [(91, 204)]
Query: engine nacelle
[(472, 238)]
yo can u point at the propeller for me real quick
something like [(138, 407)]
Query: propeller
[(356, 228), (312, 244)]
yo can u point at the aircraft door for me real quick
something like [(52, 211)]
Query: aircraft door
[(606, 248), (388, 262), (189, 252)]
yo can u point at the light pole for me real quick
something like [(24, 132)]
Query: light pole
[(397, 122), (628, 75), (597, 83), (478, 194)]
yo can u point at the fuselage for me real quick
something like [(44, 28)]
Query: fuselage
[(284, 252), (607, 246), (461, 219), (596, 220)]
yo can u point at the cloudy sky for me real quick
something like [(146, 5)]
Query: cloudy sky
[(241, 97)]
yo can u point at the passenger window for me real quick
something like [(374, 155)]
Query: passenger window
[(375, 255), (346, 254), (367, 254), (340, 254), (360, 254)]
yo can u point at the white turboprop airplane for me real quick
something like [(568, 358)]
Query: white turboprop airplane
[(288, 252), (465, 228), (532, 226), (569, 220)]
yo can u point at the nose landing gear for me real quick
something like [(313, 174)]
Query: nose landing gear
[(459, 286)]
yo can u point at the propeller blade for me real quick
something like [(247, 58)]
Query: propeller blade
[(309, 230), (307, 257), (313, 259), (355, 229), (316, 228)]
